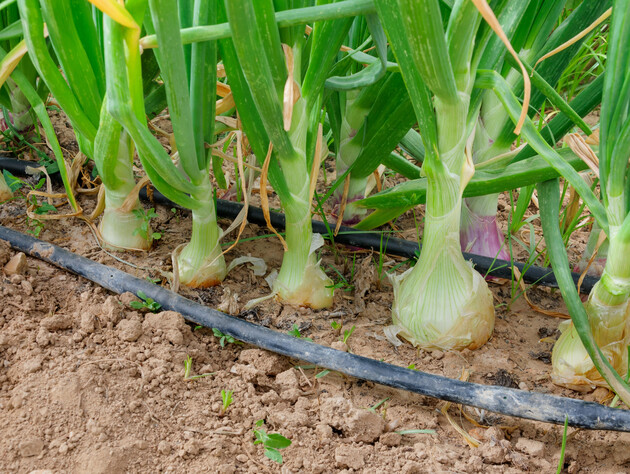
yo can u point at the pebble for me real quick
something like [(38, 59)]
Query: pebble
[(129, 330), (530, 446), (340, 346), (492, 454), (324, 431), (364, 425), (523, 386), (287, 379), (391, 439), (31, 447), (437, 355), (164, 447), (350, 457), (17, 265), (57, 322)]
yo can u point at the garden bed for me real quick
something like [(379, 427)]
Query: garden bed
[(91, 384)]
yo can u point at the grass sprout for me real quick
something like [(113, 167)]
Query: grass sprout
[(188, 369)]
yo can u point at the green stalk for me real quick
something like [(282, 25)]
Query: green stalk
[(113, 155), (284, 19), (201, 263), (577, 357), (300, 280), (442, 302)]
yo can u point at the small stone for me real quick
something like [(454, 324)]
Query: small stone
[(333, 411), (129, 330), (17, 400), (17, 265), (391, 439), (33, 365), (476, 463), (492, 454), (494, 434), (364, 425), (530, 446), (27, 287), (324, 431), (270, 398), (63, 449), (141, 444), (242, 458), (192, 447), (57, 322), (170, 323), (523, 386), (164, 448), (291, 395), (44, 337), (437, 355), (88, 322), (413, 467), (340, 346), (350, 457), (288, 379), (31, 447)]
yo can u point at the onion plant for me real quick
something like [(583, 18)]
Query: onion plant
[(189, 76), (493, 138), (592, 350), (533, 38), (444, 71), (442, 302), (277, 78), (79, 88)]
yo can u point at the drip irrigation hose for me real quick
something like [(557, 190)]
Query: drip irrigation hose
[(348, 236), (506, 401)]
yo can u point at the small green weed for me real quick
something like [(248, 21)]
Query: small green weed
[(347, 333), (144, 230), (35, 226), (224, 338), (226, 398), (295, 332), (146, 303), (272, 442)]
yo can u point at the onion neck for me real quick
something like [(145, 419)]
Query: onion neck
[(301, 281), (201, 263), (480, 233)]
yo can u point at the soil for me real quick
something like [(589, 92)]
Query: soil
[(90, 384)]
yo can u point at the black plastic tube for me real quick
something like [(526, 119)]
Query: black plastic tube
[(507, 401), (352, 237)]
